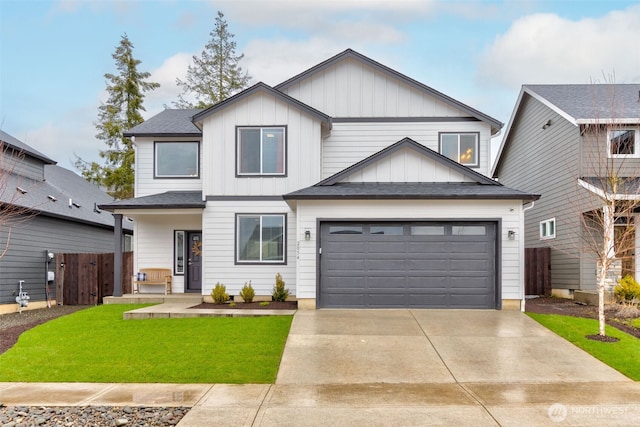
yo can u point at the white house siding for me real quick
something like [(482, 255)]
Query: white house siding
[(509, 212), (146, 184), (405, 166), (303, 147), (352, 88), (219, 248), (153, 239), (351, 142)]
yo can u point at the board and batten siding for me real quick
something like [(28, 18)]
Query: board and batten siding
[(25, 259), (351, 142), (153, 243), (546, 162), (508, 212), (351, 88), (303, 146), (219, 227), (145, 182)]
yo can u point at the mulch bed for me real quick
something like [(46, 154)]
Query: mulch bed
[(273, 305), (567, 307)]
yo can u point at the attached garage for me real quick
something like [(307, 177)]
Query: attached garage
[(408, 264)]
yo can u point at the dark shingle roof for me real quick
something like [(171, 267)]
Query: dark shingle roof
[(170, 122), (592, 101), (168, 200), (409, 190), (26, 149)]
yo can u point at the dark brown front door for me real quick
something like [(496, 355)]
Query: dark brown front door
[(194, 262)]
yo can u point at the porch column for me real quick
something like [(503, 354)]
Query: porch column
[(636, 249), (117, 255)]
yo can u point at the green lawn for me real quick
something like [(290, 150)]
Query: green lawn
[(621, 355), (97, 345)]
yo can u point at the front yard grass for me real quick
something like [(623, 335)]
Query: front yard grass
[(97, 345), (621, 355)]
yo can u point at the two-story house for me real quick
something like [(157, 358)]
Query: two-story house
[(563, 142), (360, 185)]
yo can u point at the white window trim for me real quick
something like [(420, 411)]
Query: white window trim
[(546, 223), (636, 147)]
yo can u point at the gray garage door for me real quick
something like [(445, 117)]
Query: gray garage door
[(399, 264)]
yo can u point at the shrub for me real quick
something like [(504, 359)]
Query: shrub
[(627, 290), (264, 303), (247, 293), (219, 294), (280, 293)]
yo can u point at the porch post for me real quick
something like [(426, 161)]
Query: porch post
[(636, 249), (117, 255)]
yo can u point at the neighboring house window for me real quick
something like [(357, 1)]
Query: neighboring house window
[(260, 238), (128, 243), (623, 143), (261, 151), (548, 229), (461, 147), (178, 252), (177, 160)]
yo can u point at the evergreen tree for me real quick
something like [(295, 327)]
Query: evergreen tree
[(121, 112), (215, 75)]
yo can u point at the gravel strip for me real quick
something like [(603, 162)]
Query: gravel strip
[(98, 416)]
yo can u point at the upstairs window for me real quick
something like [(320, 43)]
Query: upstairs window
[(261, 151), (460, 147), (623, 143), (548, 229), (177, 160)]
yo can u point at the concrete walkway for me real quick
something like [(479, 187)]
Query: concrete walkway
[(393, 367)]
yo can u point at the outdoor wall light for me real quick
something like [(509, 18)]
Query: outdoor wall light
[(511, 235), (546, 125), (307, 235)]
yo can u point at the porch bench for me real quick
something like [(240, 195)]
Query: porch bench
[(155, 276)]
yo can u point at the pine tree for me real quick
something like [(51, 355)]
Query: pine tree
[(215, 75), (121, 112)]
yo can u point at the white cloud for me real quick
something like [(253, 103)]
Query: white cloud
[(545, 48), (172, 68)]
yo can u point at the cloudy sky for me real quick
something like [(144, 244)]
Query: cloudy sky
[(54, 54)]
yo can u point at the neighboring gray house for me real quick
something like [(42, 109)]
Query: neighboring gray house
[(64, 219), (359, 185), (557, 137)]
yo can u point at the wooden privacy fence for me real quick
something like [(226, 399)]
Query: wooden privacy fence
[(84, 279), (537, 275)]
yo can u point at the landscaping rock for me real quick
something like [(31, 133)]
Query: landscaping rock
[(98, 416)]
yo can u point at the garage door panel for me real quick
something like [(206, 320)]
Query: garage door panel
[(431, 265)]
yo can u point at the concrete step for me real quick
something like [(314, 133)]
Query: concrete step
[(193, 299)]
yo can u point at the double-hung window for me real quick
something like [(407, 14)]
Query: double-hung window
[(260, 238), (261, 151), (548, 229), (461, 147), (624, 143), (176, 159)]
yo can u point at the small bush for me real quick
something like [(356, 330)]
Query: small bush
[(247, 293), (232, 304), (264, 303), (280, 293), (219, 294), (627, 290)]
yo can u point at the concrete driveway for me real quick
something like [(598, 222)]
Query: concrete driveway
[(427, 367)]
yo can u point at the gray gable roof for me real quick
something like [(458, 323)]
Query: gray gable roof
[(167, 200), (262, 87), (482, 188), (495, 124), (581, 103), (24, 148), (170, 122)]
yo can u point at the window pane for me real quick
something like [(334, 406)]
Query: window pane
[(179, 252), (272, 238), (177, 159), (468, 230), (468, 150), (391, 230), (345, 229), (623, 142), (427, 230), (249, 150), (273, 151), (449, 146), (249, 238)]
